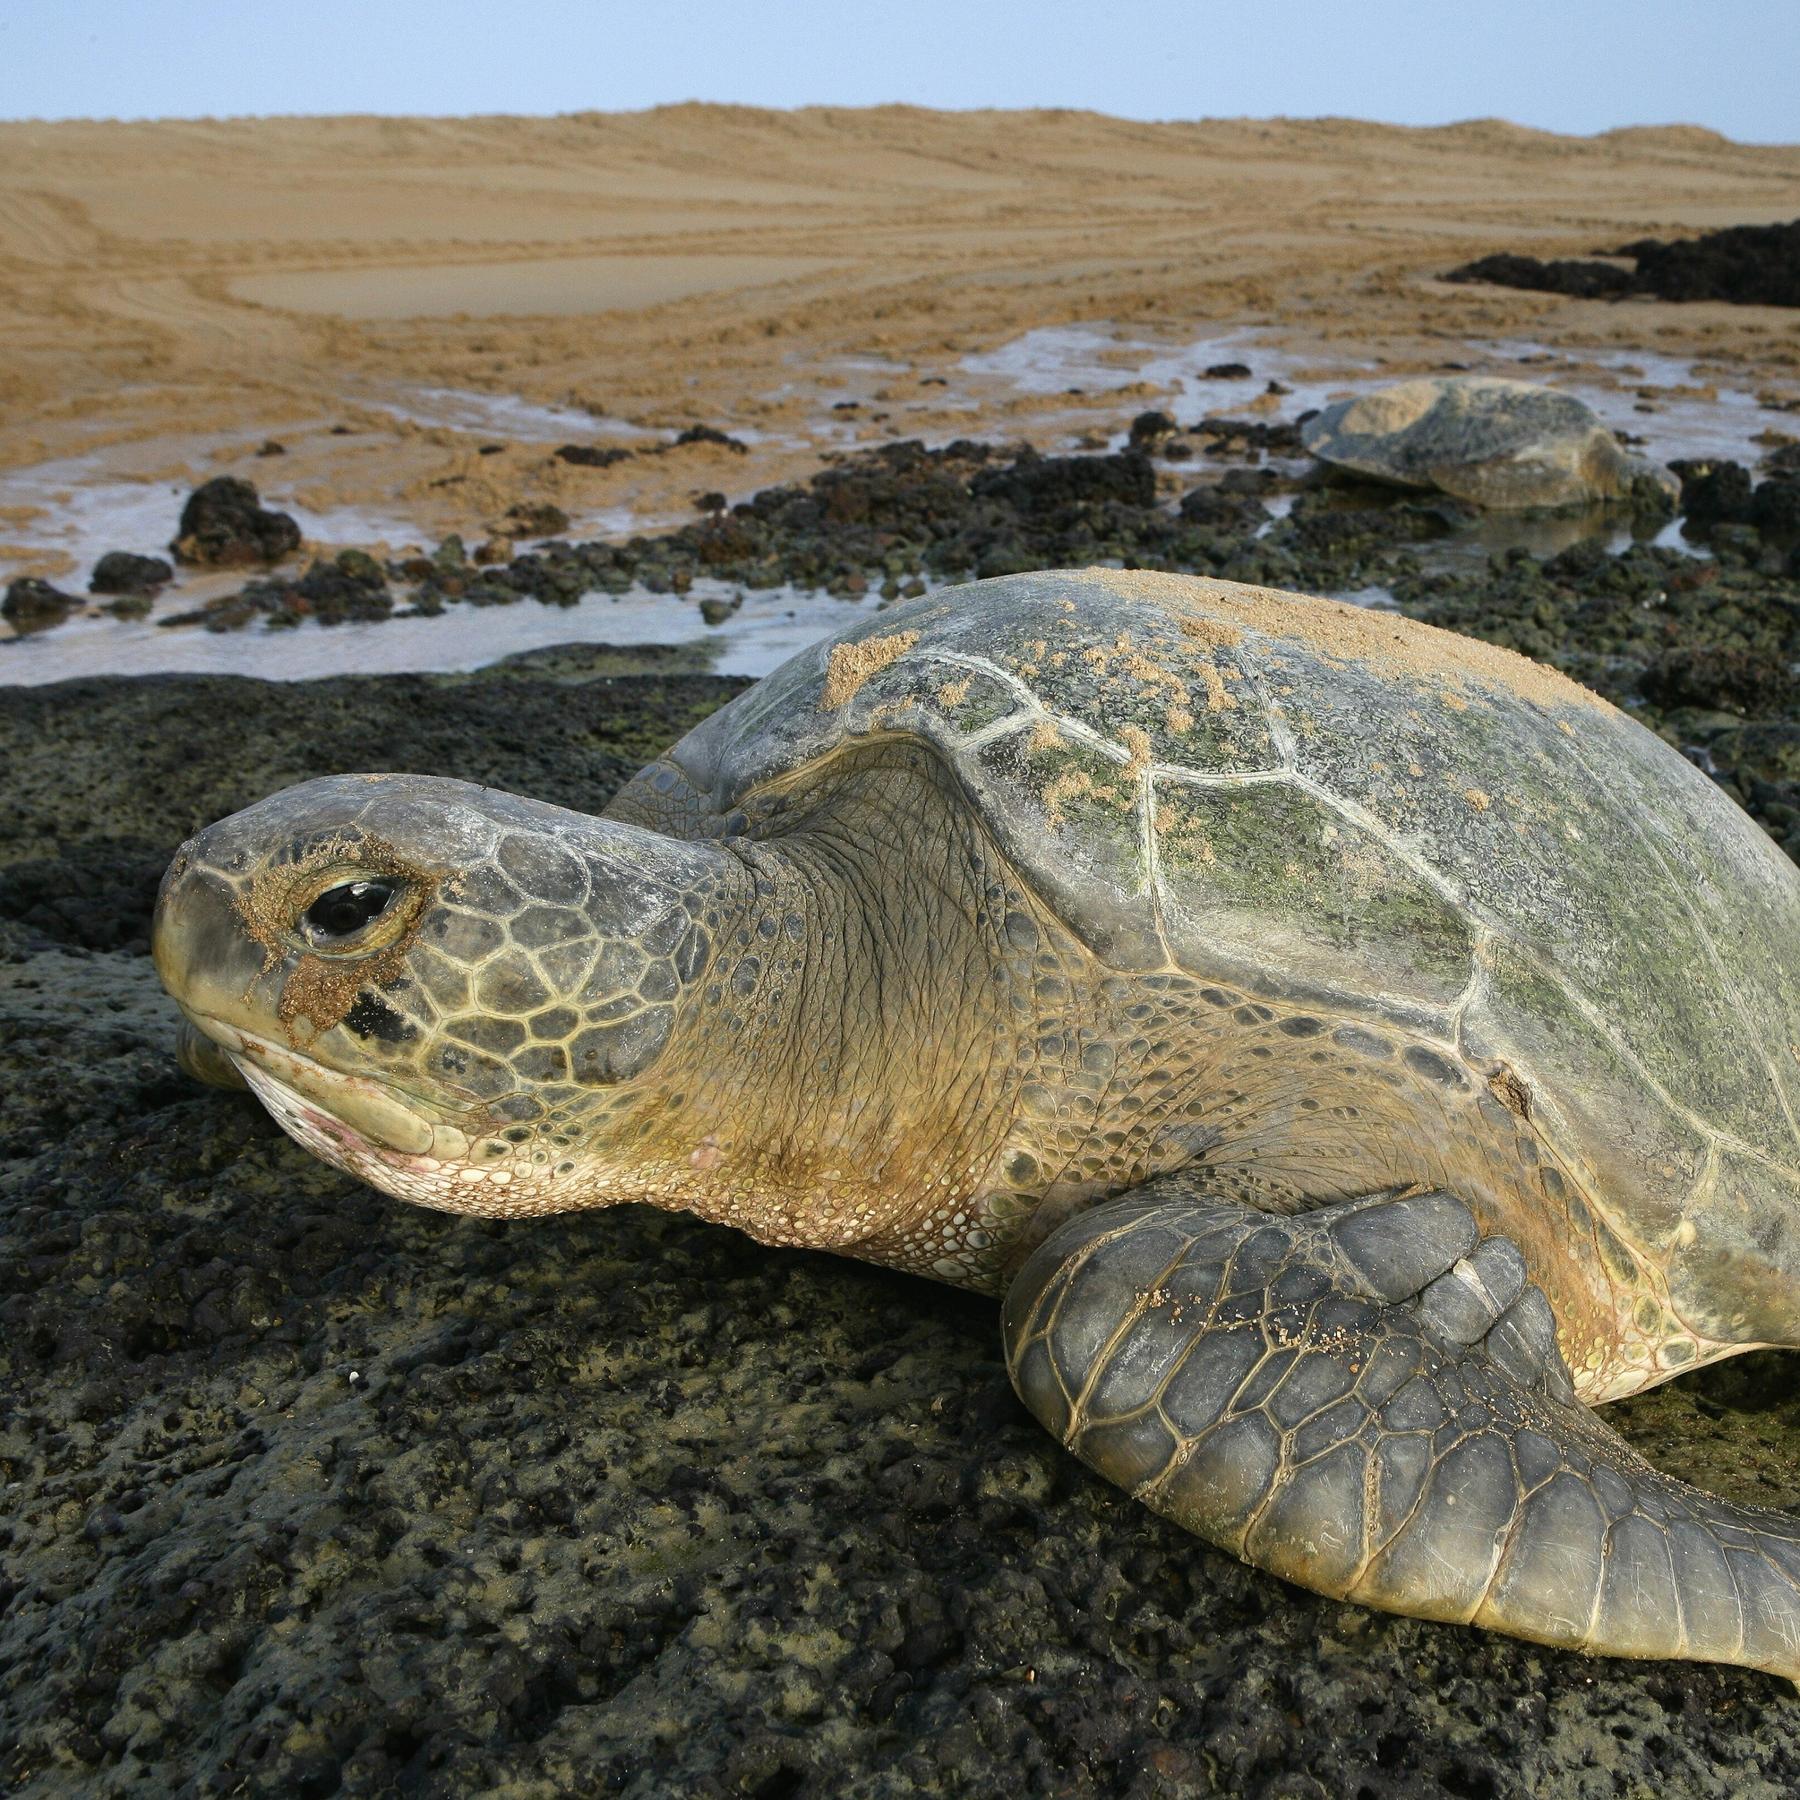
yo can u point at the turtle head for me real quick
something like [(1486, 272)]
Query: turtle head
[(439, 987)]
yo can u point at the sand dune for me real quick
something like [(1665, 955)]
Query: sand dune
[(194, 287)]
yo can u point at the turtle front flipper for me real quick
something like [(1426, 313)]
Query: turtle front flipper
[(1368, 1400)]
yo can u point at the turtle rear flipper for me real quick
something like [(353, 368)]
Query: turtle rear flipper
[(1368, 1400)]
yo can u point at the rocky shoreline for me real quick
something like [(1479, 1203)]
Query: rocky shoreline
[(309, 1493), (1706, 648), (1745, 265), (887, 519)]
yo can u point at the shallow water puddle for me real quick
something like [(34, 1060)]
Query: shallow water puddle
[(82, 506), (1545, 535), (1056, 359), (1674, 405), (769, 626), (505, 415)]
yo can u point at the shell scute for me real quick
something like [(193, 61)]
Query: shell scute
[(1081, 805), (1268, 874), (934, 696), (1166, 687), (1640, 1137)]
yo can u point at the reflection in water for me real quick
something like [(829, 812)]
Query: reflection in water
[(86, 505), (83, 507), (768, 627), (1549, 534)]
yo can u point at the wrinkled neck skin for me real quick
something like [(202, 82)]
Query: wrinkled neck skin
[(849, 1064), (898, 1053), (850, 1027)]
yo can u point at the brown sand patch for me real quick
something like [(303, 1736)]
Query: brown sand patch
[(850, 665), (557, 286), (1393, 645)]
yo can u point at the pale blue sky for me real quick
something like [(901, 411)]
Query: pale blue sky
[(1564, 65)]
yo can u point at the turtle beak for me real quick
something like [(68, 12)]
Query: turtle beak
[(206, 1059), (227, 988), (207, 960)]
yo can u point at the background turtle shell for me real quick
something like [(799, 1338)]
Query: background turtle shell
[(1492, 442), (1345, 809)]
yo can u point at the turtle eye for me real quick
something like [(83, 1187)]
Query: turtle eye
[(341, 912)]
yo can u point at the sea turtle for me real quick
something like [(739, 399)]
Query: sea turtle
[(1352, 1050), (1508, 445)]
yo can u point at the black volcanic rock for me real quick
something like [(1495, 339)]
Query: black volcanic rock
[(120, 572), (1748, 265), (308, 1492), (1150, 428), (711, 434), (1751, 265), (1713, 492), (1722, 493), (34, 605), (1578, 280), (1034, 483), (224, 525), (593, 456), (1775, 506), (1221, 508), (1242, 437), (352, 586)]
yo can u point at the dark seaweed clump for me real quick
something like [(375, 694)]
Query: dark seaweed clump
[(1750, 265)]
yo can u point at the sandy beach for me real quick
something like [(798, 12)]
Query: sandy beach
[(389, 299)]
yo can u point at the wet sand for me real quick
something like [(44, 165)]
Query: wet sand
[(388, 298)]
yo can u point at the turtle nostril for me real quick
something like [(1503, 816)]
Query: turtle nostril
[(342, 911)]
